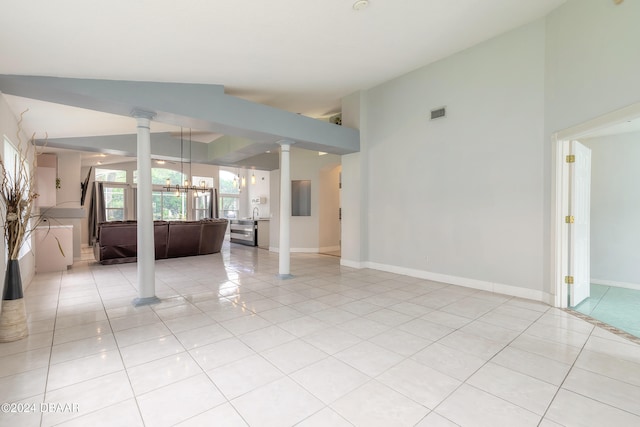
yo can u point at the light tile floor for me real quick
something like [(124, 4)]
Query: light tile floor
[(231, 345)]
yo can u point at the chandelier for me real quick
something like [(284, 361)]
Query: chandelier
[(186, 186)]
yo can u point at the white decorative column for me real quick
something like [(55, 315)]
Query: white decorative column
[(146, 251), (284, 255)]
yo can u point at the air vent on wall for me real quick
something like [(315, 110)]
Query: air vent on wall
[(438, 113)]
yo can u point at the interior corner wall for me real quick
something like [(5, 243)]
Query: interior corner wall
[(329, 208), (70, 191), (354, 193), (615, 209), (353, 209), (460, 198), (9, 128)]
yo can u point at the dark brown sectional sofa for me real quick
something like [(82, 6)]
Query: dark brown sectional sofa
[(118, 240)]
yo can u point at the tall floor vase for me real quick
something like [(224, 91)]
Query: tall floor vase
[(13, 317)]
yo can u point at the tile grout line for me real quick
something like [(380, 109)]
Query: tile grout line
[(89, 379), (487, 362), (53, 336), (567, 376), (318, 273), (124, 367)]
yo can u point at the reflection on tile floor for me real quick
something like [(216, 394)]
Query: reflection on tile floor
[(618, 307), (232, 345)]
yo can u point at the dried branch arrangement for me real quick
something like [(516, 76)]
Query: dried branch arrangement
[(17, 193)]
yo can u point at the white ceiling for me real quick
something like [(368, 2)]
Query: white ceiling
[(300, 56)]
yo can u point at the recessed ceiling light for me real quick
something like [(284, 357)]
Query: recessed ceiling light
[(160, 162), (360, 4)]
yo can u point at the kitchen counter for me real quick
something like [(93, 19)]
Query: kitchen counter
[(54, 248), (248, 231), (244, 231), (263, 233)]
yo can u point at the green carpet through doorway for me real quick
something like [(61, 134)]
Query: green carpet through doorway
[(618, 307)]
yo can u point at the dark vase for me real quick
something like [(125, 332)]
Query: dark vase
[(12, 281), (13, 316)]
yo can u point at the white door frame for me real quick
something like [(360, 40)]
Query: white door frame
[(560, 196), (560, 236)]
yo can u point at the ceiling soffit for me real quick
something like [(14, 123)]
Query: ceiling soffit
[(194, 106)]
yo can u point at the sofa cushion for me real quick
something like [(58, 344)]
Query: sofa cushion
[(184, 238), (118, 240), (160, 237), (212, 235)]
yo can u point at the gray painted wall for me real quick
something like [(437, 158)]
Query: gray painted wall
[(615, 208), (468, 199), (454, 196)]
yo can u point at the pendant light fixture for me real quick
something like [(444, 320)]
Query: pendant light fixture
[(187, 185)]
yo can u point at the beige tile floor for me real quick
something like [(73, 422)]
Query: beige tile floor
[(231, 345)]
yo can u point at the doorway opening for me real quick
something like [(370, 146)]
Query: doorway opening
[(330, 210), (597, 219)]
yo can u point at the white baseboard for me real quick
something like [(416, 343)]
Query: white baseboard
[(308, 250), (352, 264), (625, 285), (328, 249), (500, 288), (296, 250)]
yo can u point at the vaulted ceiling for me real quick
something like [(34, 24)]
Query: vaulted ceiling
[(298, 56)]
